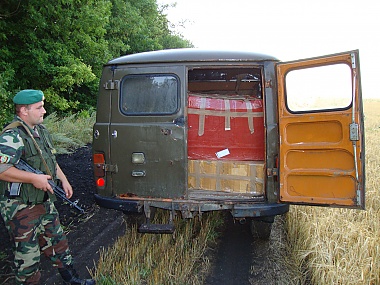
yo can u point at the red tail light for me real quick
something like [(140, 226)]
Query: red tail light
[(100, 182), (98, 158)]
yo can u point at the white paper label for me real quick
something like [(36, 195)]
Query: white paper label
[(222, 153)]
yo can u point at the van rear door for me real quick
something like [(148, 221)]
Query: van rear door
[(147, 132), (321, 131)]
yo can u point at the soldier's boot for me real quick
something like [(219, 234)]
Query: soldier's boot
[(70, 276)]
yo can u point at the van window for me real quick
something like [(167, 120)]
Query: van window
[(245, 82), (319, 88), (149, 94)]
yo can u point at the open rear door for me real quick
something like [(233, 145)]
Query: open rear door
[(321, 131)]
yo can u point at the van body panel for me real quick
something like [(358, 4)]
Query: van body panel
[(101, 138), (321, 149)]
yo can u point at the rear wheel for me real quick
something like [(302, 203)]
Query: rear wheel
[(261, 228)]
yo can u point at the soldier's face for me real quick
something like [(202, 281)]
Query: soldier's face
[(34, 113)]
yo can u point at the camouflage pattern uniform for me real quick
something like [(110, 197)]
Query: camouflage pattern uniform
[(31, 217)]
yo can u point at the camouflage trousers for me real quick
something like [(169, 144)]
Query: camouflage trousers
[(34, 229)]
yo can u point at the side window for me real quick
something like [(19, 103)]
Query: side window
[(149, 94), (319, 88)]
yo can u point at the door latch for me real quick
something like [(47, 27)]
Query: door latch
[(354, 132)]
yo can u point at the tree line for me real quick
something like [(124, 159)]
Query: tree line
[(60, 46)]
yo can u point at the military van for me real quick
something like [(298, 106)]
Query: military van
[(193, 131)]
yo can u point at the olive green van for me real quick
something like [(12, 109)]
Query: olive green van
[(193, 131)]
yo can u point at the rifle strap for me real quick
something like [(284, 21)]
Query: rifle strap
[(20, 124)]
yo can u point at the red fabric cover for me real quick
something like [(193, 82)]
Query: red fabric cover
[(241, 143)]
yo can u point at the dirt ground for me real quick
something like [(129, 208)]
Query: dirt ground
[(237, 259)]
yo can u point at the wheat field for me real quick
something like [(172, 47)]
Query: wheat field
[(342, 246)]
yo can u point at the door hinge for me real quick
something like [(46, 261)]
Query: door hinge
[(353, 61), (111, 85), (272, 172), (268, 83), (111, 168), (358, 197)]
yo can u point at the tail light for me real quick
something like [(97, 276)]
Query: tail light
[(99, 169), (100, 182)]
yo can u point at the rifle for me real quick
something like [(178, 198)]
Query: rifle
[(58, 191)]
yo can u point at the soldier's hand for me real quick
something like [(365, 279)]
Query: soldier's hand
[(67, 188), (41, 181)]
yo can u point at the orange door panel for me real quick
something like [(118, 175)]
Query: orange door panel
[(321, 131)]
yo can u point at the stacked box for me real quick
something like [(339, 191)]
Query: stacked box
[(227, 176)]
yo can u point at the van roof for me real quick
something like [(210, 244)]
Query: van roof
[(191, 55)]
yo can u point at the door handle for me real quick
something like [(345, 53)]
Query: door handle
[(138, 173)]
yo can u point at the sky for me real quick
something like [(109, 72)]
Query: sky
[(288, 30)]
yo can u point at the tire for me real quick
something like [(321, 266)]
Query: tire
[(261, 229)]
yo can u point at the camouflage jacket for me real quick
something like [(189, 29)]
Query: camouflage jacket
[(15, 144)]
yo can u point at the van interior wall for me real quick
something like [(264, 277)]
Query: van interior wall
[(226, 146)]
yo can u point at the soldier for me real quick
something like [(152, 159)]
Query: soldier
[(26, 199)]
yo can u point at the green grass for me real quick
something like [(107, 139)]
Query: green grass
[(71, 132)]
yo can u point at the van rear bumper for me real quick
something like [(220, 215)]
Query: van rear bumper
[(259, 210), (124, 205), (237, 209)]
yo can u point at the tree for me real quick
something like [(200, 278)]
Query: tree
[(60, 46), (138, 26), (56, 46)]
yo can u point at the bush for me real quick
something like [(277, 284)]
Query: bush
[(71, 132)]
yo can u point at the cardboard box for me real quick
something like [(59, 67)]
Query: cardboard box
[(227, 176)]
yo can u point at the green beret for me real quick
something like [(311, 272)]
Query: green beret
[(28, 96)]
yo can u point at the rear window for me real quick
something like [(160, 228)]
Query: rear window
[(149, 94), (319, 88), (238, 81)]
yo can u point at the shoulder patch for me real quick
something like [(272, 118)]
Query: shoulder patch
[(4, 158)]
